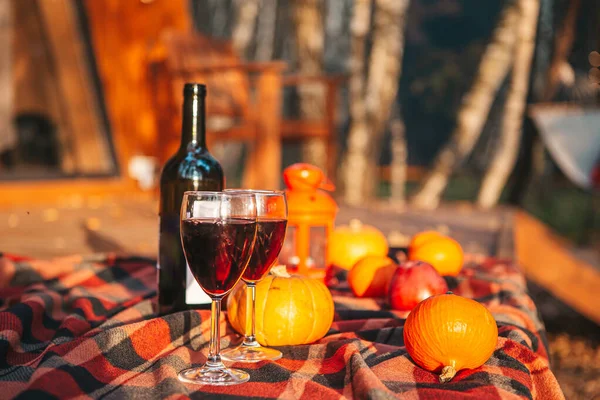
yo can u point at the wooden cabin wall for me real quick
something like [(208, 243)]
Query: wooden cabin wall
[(72, 69), (123, 33), (52, 78)]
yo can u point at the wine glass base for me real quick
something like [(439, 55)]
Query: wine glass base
[(250, 354), (217, 376)]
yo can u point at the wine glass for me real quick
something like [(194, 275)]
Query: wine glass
[(271, 221), (218, 231)]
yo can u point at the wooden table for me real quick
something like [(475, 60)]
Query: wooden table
[(85, 225)]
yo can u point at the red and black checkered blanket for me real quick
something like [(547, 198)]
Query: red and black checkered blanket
[(85, 328)]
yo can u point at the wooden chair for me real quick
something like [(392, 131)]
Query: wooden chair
[(244, 102), (324, 128)]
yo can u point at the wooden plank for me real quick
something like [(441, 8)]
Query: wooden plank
[(263, 169), (413, 173), (7, 134), (301, 129), (123, 34), (48, 191), (546, 260), (76, 225), (92, 151)]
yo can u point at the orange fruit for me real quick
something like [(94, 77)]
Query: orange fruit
[(371, 276), (442, 252)]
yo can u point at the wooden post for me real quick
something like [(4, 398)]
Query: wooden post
[(7, 134), (331, 116), (264, 161)]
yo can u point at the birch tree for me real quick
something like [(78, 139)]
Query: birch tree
[(245, 23), (310, 41), (398, 166), (493, 69), (7, 134), (242, 34), (560, 70), (265, 32), (512, 121), (371, 102)]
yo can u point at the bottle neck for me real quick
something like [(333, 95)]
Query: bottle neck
[(193, 129)]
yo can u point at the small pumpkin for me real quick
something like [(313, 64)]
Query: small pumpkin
[(349, 243), (371, 275), (442, 252), (447, 333), (290, 309)]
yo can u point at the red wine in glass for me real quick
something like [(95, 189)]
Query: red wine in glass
[(271, 218), (269, 240), (215, 250)]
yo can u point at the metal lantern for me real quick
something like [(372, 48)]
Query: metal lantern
[(311, 216)]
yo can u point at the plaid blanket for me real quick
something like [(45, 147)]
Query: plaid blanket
[(86, 328)]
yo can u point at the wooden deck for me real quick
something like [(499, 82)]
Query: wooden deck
[(93, 224), (78, 224), (547, 260)]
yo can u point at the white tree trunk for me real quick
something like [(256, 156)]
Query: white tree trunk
[(243, 31), (399, 162), (384, 75), (310, 41), (230, 154), (493, 68), (370, 105), (265, 34), (506, 155), (560, 69), (358, 137), (7, 134)]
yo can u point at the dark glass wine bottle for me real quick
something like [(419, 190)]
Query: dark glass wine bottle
[(191, 168)]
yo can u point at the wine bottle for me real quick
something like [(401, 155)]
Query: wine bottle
[(192, 167)]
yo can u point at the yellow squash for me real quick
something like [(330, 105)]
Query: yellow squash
[(290, 309)]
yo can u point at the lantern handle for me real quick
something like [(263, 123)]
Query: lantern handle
[(327, 184), (302, 176)]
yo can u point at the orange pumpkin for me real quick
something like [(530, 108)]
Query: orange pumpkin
[(446, 333), (442, 252), (349, 243), (371, 276), (290, 309)]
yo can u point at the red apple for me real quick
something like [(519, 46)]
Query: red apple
[(413, 282)]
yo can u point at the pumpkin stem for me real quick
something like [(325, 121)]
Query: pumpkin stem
[(447, 374), (280, 271), (355, 224)]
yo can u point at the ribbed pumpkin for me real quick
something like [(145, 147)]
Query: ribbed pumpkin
[(442, 252), (290, 309), (371, 276), (349, 243), (447, 333)]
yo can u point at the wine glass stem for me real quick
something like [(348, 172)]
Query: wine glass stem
[(250, 339), (214, 351)]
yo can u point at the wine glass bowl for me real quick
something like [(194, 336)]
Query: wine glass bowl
[(271, 221), (218, 232)]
